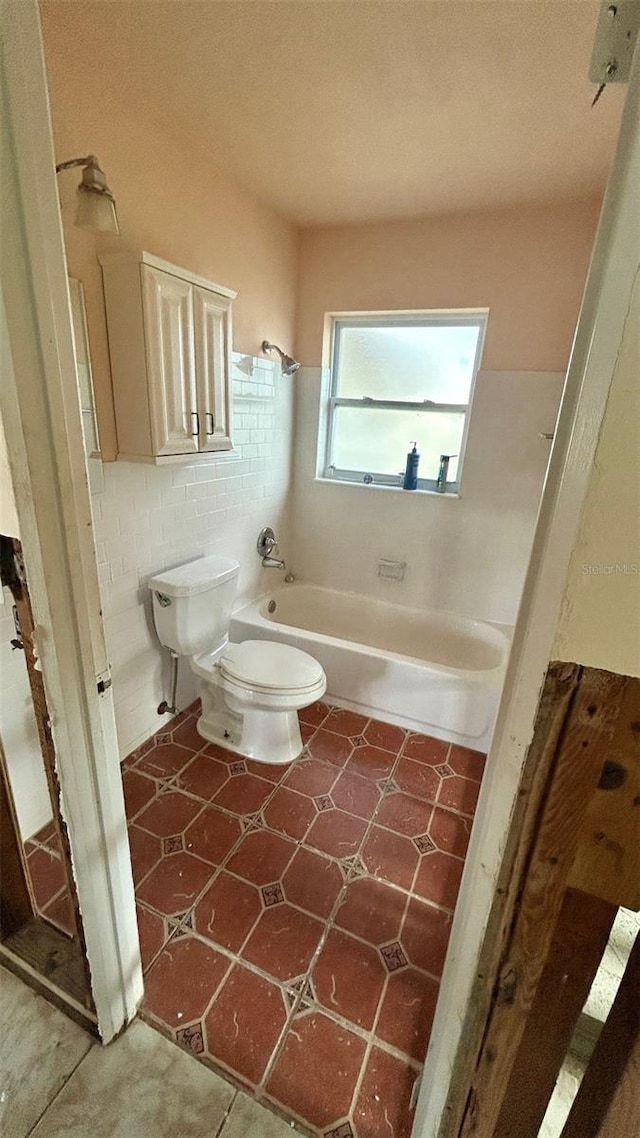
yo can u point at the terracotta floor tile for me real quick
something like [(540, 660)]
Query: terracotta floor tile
[(180, 985), (426, 750), (330, 747), (214, 751), (459, 794), (244, 794), (356, 795), (407, 1011), (372, 910), (316, 1072), (47, 874), (174, 883), (336, 833), (203, 776), (261, 857), (405, 814), (372, 762), (382, 1107), (385, 735), (312, 882), (307, 731), (348, 978), (60, 913), (145, 851), (273, 772), (425, 936), (344, 722), (212, 835), (245, 1023), (311, 777), (283, 942), (169, 814), (417, 779), (164, 761), (228, 911), (450, 832), (314, 714), (390, 856), (152, 932), (187, 734), (46, 834), (289, 813), (468, 763), (138, 791), (438, 878)]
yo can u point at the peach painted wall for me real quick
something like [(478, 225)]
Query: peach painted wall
[(528, 265), (179, 204)]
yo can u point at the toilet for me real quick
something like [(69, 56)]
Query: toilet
[(251, 692)]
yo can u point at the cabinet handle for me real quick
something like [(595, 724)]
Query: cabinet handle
[(195, 415), (209, 416)]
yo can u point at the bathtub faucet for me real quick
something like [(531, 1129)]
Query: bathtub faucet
[(267, 545)]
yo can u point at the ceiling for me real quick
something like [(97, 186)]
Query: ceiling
[(354, 110)]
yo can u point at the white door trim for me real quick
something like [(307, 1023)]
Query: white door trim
[(41, 414), (614, 266)]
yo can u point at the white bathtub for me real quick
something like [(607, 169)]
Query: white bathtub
[(431, 672)]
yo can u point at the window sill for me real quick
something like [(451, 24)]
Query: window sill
[(455, 494)]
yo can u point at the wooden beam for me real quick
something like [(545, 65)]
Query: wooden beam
[(17, 905), (607, 1104), (608, 858), (14, 576), (571, 781), (577, 948), (560, 686)]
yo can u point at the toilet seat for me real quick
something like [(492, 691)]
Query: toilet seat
[(264, 666)]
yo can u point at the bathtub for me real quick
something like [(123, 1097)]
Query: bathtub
[(431, 672)]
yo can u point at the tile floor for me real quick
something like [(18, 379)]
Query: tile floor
[(48, 876), (57, 1082), (294, 920)]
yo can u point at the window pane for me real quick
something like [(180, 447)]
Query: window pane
[(376, 441), (407, 362)]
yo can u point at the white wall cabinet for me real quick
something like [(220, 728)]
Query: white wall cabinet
[(170, 348)]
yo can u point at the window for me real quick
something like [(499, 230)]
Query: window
[(397, 379)]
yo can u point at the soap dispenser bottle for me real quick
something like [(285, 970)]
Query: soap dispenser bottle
[(443, 472), (411, 470)]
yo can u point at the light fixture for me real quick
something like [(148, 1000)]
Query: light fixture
[(289, 365), (96, 207)]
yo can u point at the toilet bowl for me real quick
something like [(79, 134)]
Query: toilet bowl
[(251, 692)]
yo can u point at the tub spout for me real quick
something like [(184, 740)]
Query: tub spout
[(273, 563)]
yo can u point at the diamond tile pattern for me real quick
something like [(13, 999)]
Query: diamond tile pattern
[(294, 920)]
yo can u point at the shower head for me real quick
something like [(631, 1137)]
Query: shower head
[(289, 365)]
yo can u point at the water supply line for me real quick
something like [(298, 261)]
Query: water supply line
[(170, 709)]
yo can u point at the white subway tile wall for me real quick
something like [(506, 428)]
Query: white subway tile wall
[(148, 518)]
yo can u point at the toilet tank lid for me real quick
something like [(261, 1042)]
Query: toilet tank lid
[(195, 576)]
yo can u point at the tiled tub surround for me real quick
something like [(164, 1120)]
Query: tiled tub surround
[(342, 530), (148, 518), (294, 920)]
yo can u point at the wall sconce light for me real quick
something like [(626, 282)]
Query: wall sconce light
[(289, 365), (96, 207)]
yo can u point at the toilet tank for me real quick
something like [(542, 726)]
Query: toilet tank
[(192, 604)]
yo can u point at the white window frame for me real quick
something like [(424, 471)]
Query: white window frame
[(431, 317)]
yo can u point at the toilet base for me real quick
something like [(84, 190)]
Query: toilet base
[(264, 736)]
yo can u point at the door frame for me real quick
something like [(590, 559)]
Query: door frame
[(45, 450), (41, 414), (463, 1001)]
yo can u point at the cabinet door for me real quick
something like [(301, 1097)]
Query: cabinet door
[(212, 321), (168, 310)]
